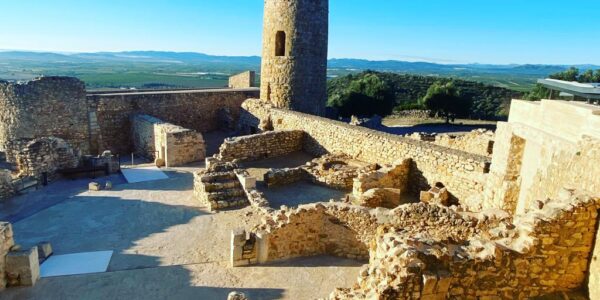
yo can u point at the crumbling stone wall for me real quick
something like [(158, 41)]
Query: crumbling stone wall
[(347, 230), (539, 253), (594, 272), (462, 173), (172, 144), (43, 107), (281, 177), (263, 145), (6, 187), (6, 242), (242, 80), (479, 141), (318, 229), (389, 176), (196, 110), (46, 155)]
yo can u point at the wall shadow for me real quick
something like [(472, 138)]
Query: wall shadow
[(434, 128)]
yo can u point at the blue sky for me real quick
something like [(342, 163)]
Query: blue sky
[(446, 31)]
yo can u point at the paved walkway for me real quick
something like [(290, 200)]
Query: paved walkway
[(166, 246)]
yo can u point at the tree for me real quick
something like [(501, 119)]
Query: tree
[(587, 76), (572, 74), (364, 96), (445, 100)]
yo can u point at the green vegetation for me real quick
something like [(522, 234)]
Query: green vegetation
[(366, 96), (407, 91), (572, 74), (445, 100)]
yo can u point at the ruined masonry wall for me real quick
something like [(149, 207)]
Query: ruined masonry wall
[(46, 155), (195, 110), (263, 145), (541, 252), (478, 141), (242, 80), (462, 173), (176, 145), (6, 187), (594, 272), (6, 242), (48, 106)]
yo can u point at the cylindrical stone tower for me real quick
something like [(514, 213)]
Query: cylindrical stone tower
[(294, 58)]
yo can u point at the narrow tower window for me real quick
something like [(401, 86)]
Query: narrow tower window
[(280, 43)]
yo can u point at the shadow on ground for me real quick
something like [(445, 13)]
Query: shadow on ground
[(434, 128), (315, 261)]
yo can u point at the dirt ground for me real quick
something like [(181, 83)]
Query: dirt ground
[(166, 245)]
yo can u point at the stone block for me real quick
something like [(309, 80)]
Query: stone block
[(247, 182), (94, 186), (44, 251), (23, 267), (236, 296)]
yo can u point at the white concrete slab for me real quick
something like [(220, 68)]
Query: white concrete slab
[(75, 264), (134, 175)]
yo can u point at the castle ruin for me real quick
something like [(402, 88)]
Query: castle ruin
[(509, 215)]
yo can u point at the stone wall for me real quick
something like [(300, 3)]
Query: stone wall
[(263, 145), (172, 145), (463, 173), (281, 177), (479, 141), (413, 114), (43, 107), (346, 230), (6, 242), (389, 176), (6, 186), (242, 80), (594, 272), (46, 155), (195, 110), (538, 253)]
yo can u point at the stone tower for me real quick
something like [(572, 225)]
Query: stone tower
[(294, 58)]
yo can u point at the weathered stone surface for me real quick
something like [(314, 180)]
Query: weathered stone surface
[(94, 186), (44, 251), (294, 59), (7, 189), (260, 146), (6, 243), (218, 186), (479, 141), (242, 80), (237, 296), (46, 155), (170, 145), (195, 110), (464, 174), (594, 272), (43, 107), (23, 267)]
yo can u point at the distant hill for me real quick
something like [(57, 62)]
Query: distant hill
[(23, 65)]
